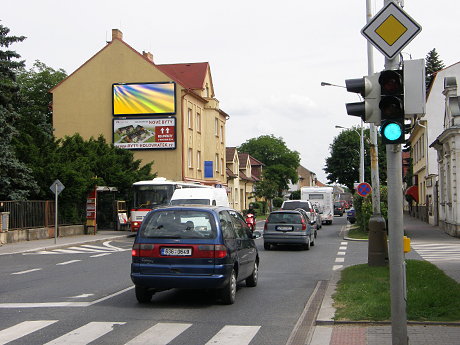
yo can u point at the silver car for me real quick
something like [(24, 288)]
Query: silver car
[(288, 227)]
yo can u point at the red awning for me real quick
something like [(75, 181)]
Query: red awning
[(413, 192)]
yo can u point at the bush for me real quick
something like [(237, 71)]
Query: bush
[(278, 202), (363, 207)]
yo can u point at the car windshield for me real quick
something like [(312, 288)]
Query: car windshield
[(288, 218), (179, 224)]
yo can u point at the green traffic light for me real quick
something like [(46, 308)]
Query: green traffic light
[(392, 131)]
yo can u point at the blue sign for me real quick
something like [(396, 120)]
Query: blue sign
[(364, 189)]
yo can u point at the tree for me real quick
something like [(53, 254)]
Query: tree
[(16, 179), (80, 165), (280, 163), (35, 141), (343, 164), (266, 189), (432, 65)]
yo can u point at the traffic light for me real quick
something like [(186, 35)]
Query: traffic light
[(392, 107), (368, 87)]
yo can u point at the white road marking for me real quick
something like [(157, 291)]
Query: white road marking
[(85, 295), (341, 253), (67, 262), (85, 334), (22, 329), (160, 334), (28, 271), (339, 259), (98, 255), (336, 267), (230, 335)]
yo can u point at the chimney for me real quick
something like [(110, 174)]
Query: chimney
[(117, 35), (148, 55)]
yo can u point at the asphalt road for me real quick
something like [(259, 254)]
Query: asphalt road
[(86, 292)]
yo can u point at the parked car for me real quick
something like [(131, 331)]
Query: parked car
[(338, 209), (351, 215), (288, 227), (194, 247), (293, 204)]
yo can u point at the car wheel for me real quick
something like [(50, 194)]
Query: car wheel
[(312, 243), (143, 295), (307, 245), (228, 293), (266, 246), (251, 281)]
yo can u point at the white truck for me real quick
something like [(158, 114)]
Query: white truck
[(200, 196), (322, 198)]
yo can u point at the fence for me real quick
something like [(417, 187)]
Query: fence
[(34, 214)]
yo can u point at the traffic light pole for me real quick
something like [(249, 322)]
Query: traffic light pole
[(396, 235)]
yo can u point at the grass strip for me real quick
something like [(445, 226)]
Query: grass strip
[(363, 294)]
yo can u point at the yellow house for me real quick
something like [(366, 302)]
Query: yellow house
[(242, 172), (185, 138)]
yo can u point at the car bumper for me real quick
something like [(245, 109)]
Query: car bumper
[(273, 239), (218, 280)]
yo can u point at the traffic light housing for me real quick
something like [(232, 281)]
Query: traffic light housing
[(368, 87), (391, 107)]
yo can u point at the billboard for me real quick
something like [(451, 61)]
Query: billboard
[(144, 133), (144, 98)]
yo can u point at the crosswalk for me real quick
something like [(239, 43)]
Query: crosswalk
[(158, 334), (437, 252), (104, 249)]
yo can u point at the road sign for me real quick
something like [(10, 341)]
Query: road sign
[(57, 187), (364, 189), (391, 30)]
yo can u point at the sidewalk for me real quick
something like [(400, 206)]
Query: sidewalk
[(62, 242), (328, 332)]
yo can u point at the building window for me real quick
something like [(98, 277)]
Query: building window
[(221, 166), (236, 195), (190, 118), (216, 126), (198, 162), (189, 158), (217, 162), (198, 128), (221, 134)]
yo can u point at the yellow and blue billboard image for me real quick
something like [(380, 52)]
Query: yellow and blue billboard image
[(144, 99)]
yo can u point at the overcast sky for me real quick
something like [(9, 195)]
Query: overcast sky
[(268, 58)]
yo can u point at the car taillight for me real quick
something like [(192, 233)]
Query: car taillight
[(212, 251), (144, 250), (304, 226), (265, 225)]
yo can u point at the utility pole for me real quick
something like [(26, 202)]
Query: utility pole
[(377, 246)]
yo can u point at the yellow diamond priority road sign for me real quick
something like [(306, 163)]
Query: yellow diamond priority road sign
[(391, 30)]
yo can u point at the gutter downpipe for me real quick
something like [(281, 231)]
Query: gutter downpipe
[(182, 130)]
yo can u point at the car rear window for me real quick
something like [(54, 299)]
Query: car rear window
[(288, 218), (179, 224), (190, 202), (296, 204)]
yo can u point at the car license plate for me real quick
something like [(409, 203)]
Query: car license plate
[(176, 251), (284, 228)]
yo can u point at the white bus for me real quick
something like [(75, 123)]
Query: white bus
[(154, 193), (321, 197)]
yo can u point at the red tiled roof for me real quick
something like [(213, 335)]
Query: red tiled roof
[(230, 153), (190, 75), (244, 177), (230, 173)]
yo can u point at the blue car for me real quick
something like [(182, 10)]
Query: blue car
[(194, 247), (351, 216)]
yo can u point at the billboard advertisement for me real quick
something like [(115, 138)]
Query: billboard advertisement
[(144, 98), (144, 133)]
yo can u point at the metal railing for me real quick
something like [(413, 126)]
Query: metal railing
[(34, 214)]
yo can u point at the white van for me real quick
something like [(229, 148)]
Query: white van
[(321, 197), (200, 196)]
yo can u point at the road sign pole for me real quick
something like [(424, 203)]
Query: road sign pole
[(396, 235), (55, 212)]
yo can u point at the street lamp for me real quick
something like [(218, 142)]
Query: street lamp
[(361, 149)]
